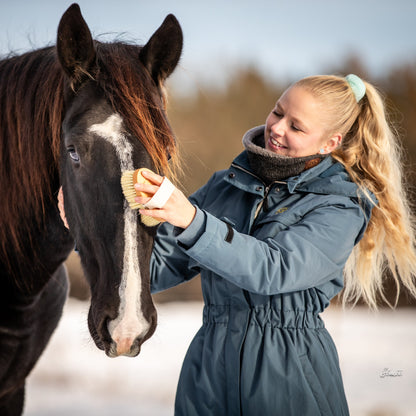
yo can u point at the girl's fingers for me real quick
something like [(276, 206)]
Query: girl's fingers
[(178, 210), (152, 177), (146, 188), (142, 200), (146, 191), (151, 212), (61, 207)]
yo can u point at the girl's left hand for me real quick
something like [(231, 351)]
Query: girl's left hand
[(61, 207), (178, 210)]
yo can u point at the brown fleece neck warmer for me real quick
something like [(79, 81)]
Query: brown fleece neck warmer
[(269, 166)]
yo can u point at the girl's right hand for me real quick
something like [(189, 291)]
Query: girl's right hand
[(178, 210)]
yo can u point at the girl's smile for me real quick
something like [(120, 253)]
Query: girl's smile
[(274, 145)]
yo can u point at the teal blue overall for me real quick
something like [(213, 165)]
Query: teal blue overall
[(270, 258)]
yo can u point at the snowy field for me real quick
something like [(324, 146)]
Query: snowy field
[(377, 353)]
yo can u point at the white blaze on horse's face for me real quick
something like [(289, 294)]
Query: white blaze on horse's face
[(130, 322)]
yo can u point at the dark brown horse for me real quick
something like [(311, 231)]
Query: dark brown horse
[(77, 115)]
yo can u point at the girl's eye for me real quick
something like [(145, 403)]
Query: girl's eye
[(73, 154), (295, 128), (277, 114)]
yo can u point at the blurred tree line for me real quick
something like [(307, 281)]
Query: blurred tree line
[(209, 124)]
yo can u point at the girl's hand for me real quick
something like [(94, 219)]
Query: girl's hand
[(178, 210), (61, 207)]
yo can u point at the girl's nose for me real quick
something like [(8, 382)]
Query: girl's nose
[(278, 127)]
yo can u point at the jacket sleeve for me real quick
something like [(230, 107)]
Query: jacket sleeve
[(306, 254), (169, 264)]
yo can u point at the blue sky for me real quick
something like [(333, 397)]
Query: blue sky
[(284, 39)]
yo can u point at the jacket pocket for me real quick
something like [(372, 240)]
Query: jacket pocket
[(315, 386)]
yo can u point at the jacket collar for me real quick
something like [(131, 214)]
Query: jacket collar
[(328, 178)]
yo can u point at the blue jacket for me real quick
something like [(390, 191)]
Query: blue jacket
[(270, 260)]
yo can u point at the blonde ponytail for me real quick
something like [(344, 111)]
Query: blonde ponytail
[(372, 156)]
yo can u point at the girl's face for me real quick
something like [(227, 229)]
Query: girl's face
[(295, 127)]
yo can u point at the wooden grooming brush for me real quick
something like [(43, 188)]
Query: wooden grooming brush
[(128, 179)]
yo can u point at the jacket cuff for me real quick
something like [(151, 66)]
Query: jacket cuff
[(189, 236)]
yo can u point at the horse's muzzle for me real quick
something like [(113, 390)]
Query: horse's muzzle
[(128, 335), (122, 338)]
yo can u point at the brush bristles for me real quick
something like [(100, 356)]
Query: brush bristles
[(129, 192), (149, 221), (127, 185)]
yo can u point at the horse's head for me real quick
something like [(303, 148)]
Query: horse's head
[(114, 121)]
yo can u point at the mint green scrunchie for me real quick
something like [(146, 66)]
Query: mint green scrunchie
[(357, 86)]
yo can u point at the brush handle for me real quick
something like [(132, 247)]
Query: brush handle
[(162, 195), (139, 178)]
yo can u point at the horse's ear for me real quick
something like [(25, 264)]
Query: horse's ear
[(75, 45), (161, 53)]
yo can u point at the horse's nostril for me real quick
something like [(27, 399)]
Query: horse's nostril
[(102, 330)]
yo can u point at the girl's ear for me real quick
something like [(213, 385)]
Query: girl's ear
[(332, 143)]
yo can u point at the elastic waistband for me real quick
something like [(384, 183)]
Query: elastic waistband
[(263, 315)]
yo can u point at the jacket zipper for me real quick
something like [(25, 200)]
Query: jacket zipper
[(263, 202)]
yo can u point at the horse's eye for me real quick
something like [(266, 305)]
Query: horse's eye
[(73, 154)]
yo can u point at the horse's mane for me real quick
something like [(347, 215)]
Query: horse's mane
[(31, 107), (31, 114)]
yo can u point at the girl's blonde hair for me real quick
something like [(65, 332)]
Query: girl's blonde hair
[(371, 155)]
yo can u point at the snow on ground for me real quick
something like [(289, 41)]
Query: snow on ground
[(377, 354)]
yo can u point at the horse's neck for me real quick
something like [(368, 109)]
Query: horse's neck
[(42, 253)]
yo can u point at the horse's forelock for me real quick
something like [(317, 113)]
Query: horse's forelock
[(136, 98)]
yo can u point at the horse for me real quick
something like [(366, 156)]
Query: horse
[(76, 115)]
